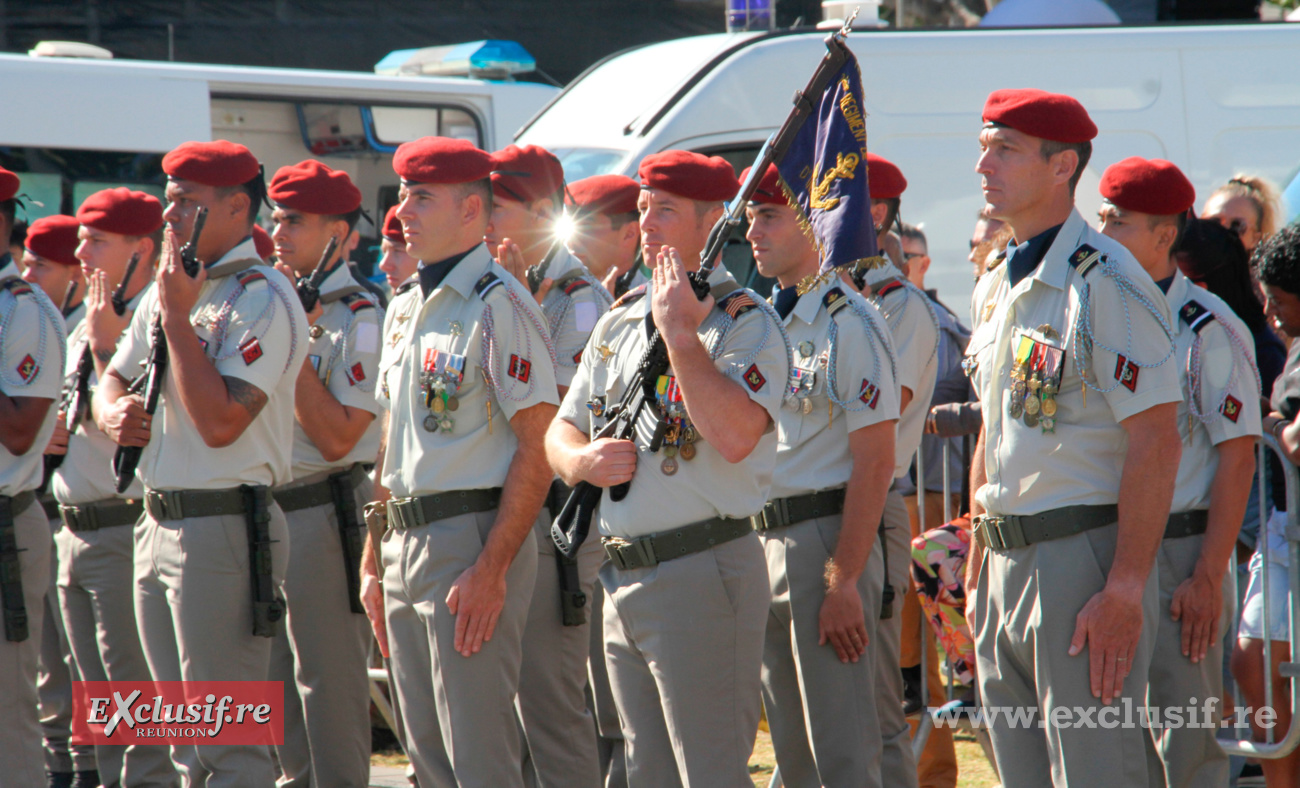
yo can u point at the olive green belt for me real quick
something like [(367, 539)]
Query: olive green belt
[(1191, 523), (109, 513), (645, 551), (305, 496), (407, 513), (1011, 531), (184, 504), (782, 512)]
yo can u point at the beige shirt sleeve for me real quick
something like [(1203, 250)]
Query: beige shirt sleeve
[(353, 380), (1132, 358), (755, 355), (260, 337), (520, 361)]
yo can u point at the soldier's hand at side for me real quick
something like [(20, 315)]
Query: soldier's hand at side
[(842, 622), (606, 462), (372, 599), (1198, 603), (1109, 625), (476, 600), (59, 440), (126, 421), (677, 312)]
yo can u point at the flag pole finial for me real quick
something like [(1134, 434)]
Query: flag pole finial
[(848, 23)]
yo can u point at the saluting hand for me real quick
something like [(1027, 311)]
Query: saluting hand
[(1109, 625), (177, 291), (103, 325), (677, 312), (511, 258)]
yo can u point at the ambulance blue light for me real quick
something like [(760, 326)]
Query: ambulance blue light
[(481, 59)]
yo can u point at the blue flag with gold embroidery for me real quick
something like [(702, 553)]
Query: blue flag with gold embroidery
[(824, 173)]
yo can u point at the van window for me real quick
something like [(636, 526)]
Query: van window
[(57, 180), (582, 163), (738, 256), (395, 125)]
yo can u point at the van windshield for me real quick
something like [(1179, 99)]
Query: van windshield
[(582, 163)]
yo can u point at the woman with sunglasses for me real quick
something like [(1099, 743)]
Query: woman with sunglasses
[(1248, 205)]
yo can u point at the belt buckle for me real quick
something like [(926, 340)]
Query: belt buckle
[(990, 526), (85, 517), (628, 554), (169, 501)]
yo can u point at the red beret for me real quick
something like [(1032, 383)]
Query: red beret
[(121, 211), (526, 174), (441, 160), (769, 188), (690, 175), (1049, 116), (1152, 186), (8, 184), (884, 180), (218, 163), (311, 187), (392, 229), (607, 194), (55, 239), (262, 242)]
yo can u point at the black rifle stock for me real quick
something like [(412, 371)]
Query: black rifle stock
[(309, 288), (127, 458), (573, 523)]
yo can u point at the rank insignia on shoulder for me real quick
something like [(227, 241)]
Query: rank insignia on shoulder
[(576, 285), (1231, 409), (632, 295), (1084, 258), (834, 300), (1195, 316), (486, 283), (888, 288), (737, 304), (870, 395), (1126, 372), (356, 373), (251, 350), (357, 302), (249, 277), (28, 368), (521, 369), (754, 379)]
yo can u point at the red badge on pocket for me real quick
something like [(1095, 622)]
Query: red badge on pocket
[(251, 350), (753, 378), (521, 369), (27, 368), (1231, 409), (1126, 372)]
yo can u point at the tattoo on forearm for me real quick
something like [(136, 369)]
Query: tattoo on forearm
[(246, 394), (104, 356)]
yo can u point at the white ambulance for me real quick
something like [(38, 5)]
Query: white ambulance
[(1215, 100)]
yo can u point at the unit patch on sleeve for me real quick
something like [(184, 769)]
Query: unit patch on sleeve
[(1126, 372), (251, 350), (356, 374), (870, 395), (521, 369), (1231, 409), (753, 378), (27, 368)]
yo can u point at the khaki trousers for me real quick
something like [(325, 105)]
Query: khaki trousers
[(194, 607), (1025, 608), (684, 650), (321, 656), (458, 712), (54, 682), (1185, 757), (21, 755), (897, 766), (96, 602), (821, 711), (613, 760), (559, 731)]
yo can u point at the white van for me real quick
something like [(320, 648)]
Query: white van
[(76, 126), (1215, 100)]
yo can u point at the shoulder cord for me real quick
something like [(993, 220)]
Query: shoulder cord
[(558, 309), (721, 322), (1194, 405), (491, 360), (893, 317), (874, 332), (222, 324), (1083, 327), (50, 312)]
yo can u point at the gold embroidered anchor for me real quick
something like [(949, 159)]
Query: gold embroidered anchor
[(845, 164)]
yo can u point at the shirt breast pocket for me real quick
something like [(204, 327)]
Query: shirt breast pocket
[(979, 361)]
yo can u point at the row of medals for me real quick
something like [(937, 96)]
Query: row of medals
[(1033, 398), (440, 398), (680, 436)]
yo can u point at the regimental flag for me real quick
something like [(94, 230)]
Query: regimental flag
[(824, 174)]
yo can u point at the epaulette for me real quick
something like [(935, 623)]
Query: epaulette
[(834, 300), (891, 286), (630, 296), (998, 259), (1084, 259), (576, 285), (1195, 316), (486, 283), (250, 276), (403, 287), (737, 304), (17, 286), (358, 301)]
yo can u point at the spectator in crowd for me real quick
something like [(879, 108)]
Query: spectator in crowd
[(989, 232), (1248, 205)]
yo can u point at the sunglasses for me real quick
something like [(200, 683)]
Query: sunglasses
[(910, 255)]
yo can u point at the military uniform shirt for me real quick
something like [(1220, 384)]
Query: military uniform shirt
[(32, 356), (453, 322), (75, 317), (1234, 417), (572, 306), (1031, 471), (86, 474), (752, 352), (909, 314), (252, 327), (343, 348), (813, 448)]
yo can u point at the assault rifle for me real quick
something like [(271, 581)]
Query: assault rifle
[(309, 288)]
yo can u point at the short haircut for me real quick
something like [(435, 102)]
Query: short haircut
[(915, 233), (256, 191), (1083, 149), (351, 217), (618, 220), (891, 215), (1277, 259), (481, 187), (1180, 223), (702, 207)]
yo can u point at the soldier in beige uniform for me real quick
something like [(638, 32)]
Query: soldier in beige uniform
[(321, 654), (834, 467), (32, 357), (1072, 358), (606, 232), (527, 196), (236, 337), (95, 543), (469, 391), (399, 267), (50, 262), (686, 593), (1145, 208)]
